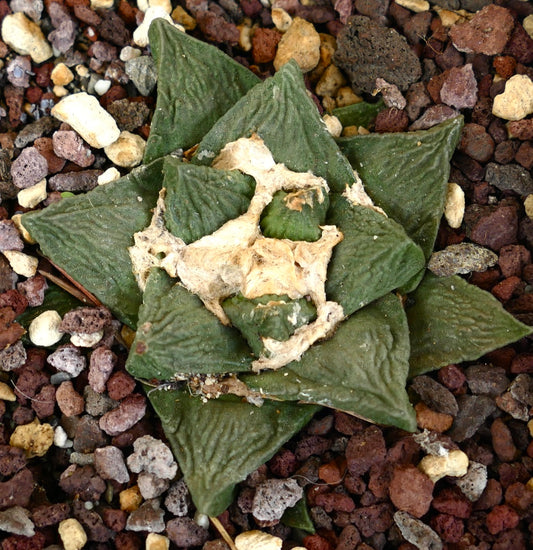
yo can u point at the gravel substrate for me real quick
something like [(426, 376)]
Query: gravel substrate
[(83, 462)]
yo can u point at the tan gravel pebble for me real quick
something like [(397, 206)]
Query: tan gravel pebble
[(32, 196), (72, 534), (6, 393), (35, 438), (281, 19), (61, 75), (453, 464), (127, 151), (21, 263), (157, 542), (454, 209), (414, 5), (516, 102), (257, 540), (301, 42), (87, 117), (25, 37)]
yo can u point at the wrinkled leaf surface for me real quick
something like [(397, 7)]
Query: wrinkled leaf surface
[(200, 199), (287, 120), (88, 236), (407, 175), (362, 370), (453, 321), (375, 256), (218, 443), (359, 114), (177, 334), (197, 84)]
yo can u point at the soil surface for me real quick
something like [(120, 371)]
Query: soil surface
[(73, 460)]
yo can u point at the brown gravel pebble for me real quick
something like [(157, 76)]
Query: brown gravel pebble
[(411, 490), (364, 449)]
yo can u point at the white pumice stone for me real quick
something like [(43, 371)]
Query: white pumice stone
[(333, 124), (516, 101), (32, 196), (25, 37), (22, 264), (111, 174), (44, 329), (87, 117)]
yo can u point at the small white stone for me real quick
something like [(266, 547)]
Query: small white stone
[(527, 23), (44, 329), (87, 117), (127, 151), (16, 520), (414, 5), (21, 263), (516, 101), (257, 540), (102, 4), (453, 464), (528, 206), (140, 34), (454, 209), (82, 71), (72, 534), (25, 37), (127, 53), (333, 124), (61, 75), (61, 438), (86, 340), (281, 19), (32, 196), (102, 86), (143, 5), (111, 174)]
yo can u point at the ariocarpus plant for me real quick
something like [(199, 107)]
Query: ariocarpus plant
[(268, 268)]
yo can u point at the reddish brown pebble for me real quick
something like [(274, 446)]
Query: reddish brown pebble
[(69, 401), (476, 142), (505, 289), (128, 413), (504, 65), (332, 472), (17, 490), (502, 441), (264, 44), (283, 463), (337, 502), (411, 490), (364, 449), (501, 517), (115, 519), (428, 419), (316, 542), (519, 496), (453, 502), (391, 120), (452, 377)]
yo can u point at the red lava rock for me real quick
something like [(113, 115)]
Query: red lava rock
[(492, 227), (501, 517), (337, 502), (29, 382), (101, 364), (449, 528), (86, 320), (364, 449), (92, 523), (14, 99), (217, 29), (411, 490), (373, 519), (28, 168), (33, 290), (10, 237), (44, 401), (332, 472), (404, 451), (185, 532), (511, 538), (69, 401), (84, 180), (452, 377), (113, 29), (20, 542), (311, 445), (505, 289), (354, 484), (512, 259), (22, 415), (452, 501), (391, 120), (519, 497), (15, 300), (46, 148), (502, 441), (316, 542), (346, 423), (83, 482), (17, 490), (128, 541), (128, 413), (487, 32), (520, 45), (349, 538), (524, 155), (120, 385), (70, 146), (459, 88), (511, 472), (12, 459), (264, 44), (491, 496), (283, 463), (504, 65), (476, 142), (115, 519), (50, 514), (520, 129)]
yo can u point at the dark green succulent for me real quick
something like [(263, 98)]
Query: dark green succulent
[(226, 419)]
